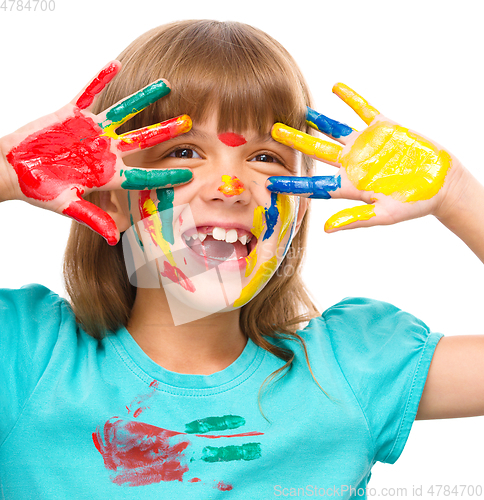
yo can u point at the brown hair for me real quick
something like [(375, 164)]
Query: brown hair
[(252, 81)]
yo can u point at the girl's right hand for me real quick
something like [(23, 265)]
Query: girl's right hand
[(55, 160)]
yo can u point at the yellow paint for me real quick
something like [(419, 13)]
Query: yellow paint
[(251, 261), (306, 143), (361, 106), (153, 225), (258, 221), (349, 215), (287, 209), (389, 159), (231, 185), (265, 271)]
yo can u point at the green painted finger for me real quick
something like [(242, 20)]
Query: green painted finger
[(139, 179), (132, 105)]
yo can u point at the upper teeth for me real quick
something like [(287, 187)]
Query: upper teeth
[(219, 233)]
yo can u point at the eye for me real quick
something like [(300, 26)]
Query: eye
[(265, 158), (184, 153)]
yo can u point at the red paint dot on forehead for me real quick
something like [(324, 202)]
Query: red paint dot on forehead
[(231, 139)]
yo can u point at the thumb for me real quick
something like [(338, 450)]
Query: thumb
[(357, 216)]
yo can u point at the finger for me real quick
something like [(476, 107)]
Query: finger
[(308, 187), (97, 84), (359, 105), (122, 111), (154, 134), (349, 216), (307, 144), (326, 125), (92, 216), (138, 179)]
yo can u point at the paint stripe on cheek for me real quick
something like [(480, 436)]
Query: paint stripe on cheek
[(231, 139)]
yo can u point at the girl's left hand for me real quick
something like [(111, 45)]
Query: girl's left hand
[(398, 173)]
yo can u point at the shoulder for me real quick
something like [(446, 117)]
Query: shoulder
[(29, 303)]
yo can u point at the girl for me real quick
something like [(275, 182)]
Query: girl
[(191, 361)]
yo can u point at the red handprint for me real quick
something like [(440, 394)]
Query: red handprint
[(62, 156)]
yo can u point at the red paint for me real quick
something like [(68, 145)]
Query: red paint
[(139, 400), (254, 433), (102, 79), (177, 276), (63, 156), (194, 480), (224, 487), (86, 213), (141, 454), (231, 139), (67, 156), (233, 187), (150, 136)]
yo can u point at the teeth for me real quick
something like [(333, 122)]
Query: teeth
[(231, 236), (219, 233)]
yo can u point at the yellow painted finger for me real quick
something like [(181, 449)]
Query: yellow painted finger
[(307, 144), (359, 105), (349, 215)]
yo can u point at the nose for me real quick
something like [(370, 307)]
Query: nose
[(227, 186)]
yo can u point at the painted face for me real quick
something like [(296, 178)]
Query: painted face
[(215, 242)]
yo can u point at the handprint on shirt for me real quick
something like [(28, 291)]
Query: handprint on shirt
[(139, 454)]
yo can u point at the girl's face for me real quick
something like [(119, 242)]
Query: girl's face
[(212, 243)]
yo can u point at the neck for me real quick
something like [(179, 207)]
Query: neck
[(202, 347)]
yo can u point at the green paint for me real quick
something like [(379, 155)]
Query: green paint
[(139, 180), (165, 210), (209, 424), (132, 222), (248, 451), (136, 103)]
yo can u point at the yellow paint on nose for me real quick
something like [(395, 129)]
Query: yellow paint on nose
[(231, 186)]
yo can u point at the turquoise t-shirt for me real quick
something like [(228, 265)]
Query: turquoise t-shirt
[(89, 419)]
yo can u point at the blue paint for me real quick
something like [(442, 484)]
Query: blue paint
[(326, 125), (315, 187), (272, 214)]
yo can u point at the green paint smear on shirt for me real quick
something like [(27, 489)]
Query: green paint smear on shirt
[(138, 101), (248, 451), (209, 424), (139, 180)]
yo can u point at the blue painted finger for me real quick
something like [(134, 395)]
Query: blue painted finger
[(326, 125), (310, 187)]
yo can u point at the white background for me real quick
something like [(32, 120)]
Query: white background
[(418, 62)]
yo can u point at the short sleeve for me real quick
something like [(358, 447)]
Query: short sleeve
[(384, 354), (30, 319)]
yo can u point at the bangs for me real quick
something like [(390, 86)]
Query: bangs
[(232, 69)]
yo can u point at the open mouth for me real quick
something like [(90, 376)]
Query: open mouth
[(220, 244)]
